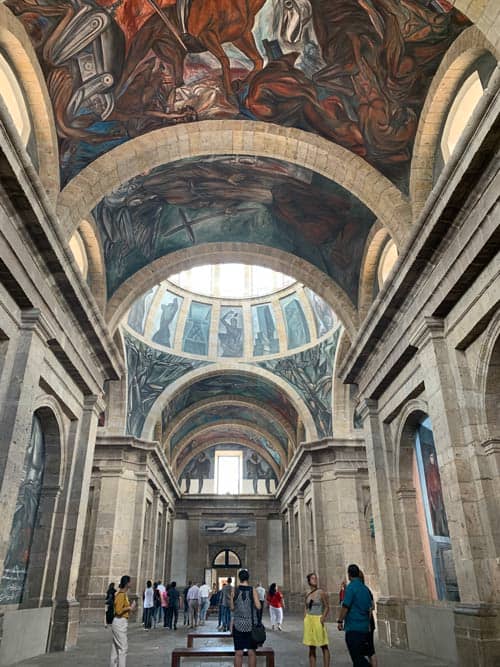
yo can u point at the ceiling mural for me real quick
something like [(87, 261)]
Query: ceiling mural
[(231, 385), (224, 434), (199, 474), (227, 412), (234, 199), (310, 372), (353, 72), (149, 372)]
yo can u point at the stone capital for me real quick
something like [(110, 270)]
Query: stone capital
[(430, 328), (367, 407), (406, 493)]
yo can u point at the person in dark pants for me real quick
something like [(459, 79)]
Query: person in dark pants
[(173, 606), (354, 618)]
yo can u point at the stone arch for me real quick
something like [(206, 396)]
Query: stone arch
[(247, 253), (467, 48), (220, 441), (488, 381), (187, 414), (342, 407), (44, 552), (230, 367), (96, 276), (368, 286), (234, 137), (414, 572), (14, 41)]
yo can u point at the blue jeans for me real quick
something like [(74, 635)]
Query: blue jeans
[(225, 617), (203, 609)]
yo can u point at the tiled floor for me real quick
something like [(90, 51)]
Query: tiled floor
[(152, 649)]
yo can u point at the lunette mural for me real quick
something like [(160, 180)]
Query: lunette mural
[(234, 199), (356, 73), (224, 412), (198, 475)]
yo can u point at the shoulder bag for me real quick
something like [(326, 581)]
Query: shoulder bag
[(258, 630)]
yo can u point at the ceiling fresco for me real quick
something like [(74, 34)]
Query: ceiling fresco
[(353, 72), (219, 435), (310, 373), (234, 199), (149, 371), (231, 385), (213, 414)]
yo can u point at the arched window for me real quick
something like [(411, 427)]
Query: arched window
[(461, 110), (434, 522), (13, 98), (226, 558), (79, 253), (388, 258), (23, 524)]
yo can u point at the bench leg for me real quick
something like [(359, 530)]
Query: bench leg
[(270, 660), (175, 661), (190, 642)]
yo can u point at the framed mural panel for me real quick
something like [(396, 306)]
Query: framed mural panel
[(435, 513), (230, 335), (324, 317), (265, 339), (296, 327), (166, 318), (197, 329), (139, 310)]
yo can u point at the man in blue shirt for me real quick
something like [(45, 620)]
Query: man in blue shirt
[(356, 609)]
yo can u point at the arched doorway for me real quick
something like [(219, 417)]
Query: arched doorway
[(226, 563)]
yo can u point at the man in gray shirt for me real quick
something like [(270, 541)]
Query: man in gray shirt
[(261, 592), (225, 622)]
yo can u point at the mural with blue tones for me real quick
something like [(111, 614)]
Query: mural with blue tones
[(297, 331), (232, 385), (324, 317), (165, 321), (230, 331), (233, 199), (202, 467), (265, 339), (214, 414), (149, 372), (310, 373), (139, 310), (197, 329)]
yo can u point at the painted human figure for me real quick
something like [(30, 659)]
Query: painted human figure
[(435, 496)]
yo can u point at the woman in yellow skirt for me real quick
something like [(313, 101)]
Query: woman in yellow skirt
[(315, 613)]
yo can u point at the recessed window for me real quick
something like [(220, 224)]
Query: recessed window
[(388, 258), (228, 472), (79, 253), (13, 98), (460, 112)]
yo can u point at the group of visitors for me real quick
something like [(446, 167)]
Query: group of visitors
[(240, 610)]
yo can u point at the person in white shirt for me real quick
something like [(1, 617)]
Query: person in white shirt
[(204, 602), (193, 600), (148, 605), (261, 592)]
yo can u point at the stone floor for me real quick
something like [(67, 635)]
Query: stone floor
[(152, 649)]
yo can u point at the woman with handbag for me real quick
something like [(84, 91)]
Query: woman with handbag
[(244, 603), (316, 610)]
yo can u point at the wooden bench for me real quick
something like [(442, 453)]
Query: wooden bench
[(217, 652), (205, 634)]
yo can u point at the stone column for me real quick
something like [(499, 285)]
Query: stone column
[(16, 416), (64, 631), (390, 607), (302, 541), (477, 618), (320, 554)]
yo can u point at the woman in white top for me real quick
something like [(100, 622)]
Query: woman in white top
[(148, 605)]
